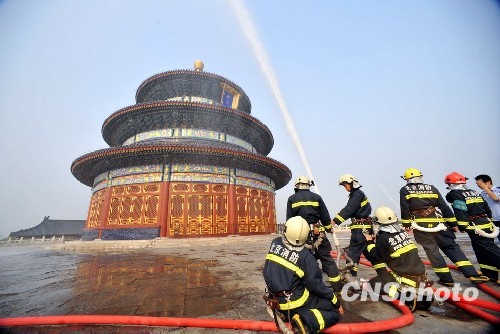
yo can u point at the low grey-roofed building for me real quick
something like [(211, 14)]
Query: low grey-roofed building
[(70, 229)]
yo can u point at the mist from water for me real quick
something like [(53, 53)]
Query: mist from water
[(265, 65), (396, 205)]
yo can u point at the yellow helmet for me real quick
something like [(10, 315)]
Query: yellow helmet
[(348, 178), (385, 215), (303, 182), (411, 173), (296, 231)]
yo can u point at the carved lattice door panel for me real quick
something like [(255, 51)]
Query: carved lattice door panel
[(241, 210), (198, 209), (200, 214), (221, 214), (177, 215), (95, 210), (254, 212), (134, 205)]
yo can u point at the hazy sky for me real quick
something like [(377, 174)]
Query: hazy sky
[(373, 88)]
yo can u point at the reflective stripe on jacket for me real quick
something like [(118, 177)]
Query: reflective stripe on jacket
[(295, 273), (309, 206), (470, 209), (418, 197), (358, 206), (398, 252)]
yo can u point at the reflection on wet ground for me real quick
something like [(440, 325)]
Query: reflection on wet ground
[(125, 284), (146, 284), (130, 283), (449, 311), (33, 280)]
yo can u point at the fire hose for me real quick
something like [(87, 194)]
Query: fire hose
[(492, 292), (472, 306), (442, 227), (405, 319), (489, 290), (439, 227), (376, 326), (469, 306), (485, 234)]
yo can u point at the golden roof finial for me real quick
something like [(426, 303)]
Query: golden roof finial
[(198, 66)]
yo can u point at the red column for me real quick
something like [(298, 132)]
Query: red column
[(164, 208), (232, 207), (272, 212)]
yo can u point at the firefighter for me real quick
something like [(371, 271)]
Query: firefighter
[(294, 282), (418, 211), (358, 209), (394, 250), (310, 206), (474, 217)]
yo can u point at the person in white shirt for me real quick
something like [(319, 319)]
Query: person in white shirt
[(491, 195)]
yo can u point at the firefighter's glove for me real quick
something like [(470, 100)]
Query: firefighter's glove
[(368, 235), (315, 229)]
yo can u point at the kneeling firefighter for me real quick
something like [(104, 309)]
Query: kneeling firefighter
[(394, 249), (295, 289)]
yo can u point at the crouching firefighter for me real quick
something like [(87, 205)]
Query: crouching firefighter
[(295, 289), (394, 249)]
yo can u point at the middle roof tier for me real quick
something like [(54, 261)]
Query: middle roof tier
[(143, 117)]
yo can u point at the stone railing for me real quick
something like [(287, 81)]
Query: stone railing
[(27, 241)]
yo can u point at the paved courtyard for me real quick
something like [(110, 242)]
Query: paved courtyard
[(209, 278)]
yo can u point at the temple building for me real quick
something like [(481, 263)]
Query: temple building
[(187, 160), (53, 228)]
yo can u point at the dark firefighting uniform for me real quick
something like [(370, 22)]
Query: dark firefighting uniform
[(472, 211), (397, 252), (418, 202), (296, 274), (358, 209), (311, 207)]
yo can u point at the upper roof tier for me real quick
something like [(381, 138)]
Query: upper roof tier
[(180, 84)]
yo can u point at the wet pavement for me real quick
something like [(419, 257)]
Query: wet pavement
[(207, 278)]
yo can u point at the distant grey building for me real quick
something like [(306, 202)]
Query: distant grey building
[(48, 228)]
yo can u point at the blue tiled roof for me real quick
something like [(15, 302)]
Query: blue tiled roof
[(51, 227)]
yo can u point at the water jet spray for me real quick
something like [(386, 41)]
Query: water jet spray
[(265, 65)]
